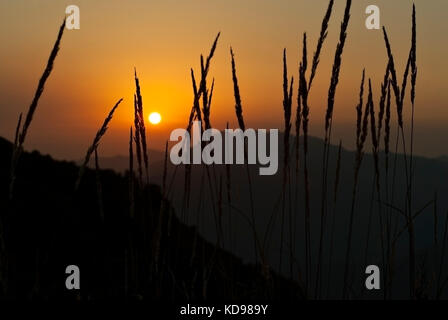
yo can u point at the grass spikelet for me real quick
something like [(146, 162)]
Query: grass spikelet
[(365, 127), (204, 91), (405, 79), (393, 74), (414, 55), (382, 103), (315, 63), (337, 65), (387, 125), (41, 85), (320, 43), (196, 114), (138, 146), (359, 110), (20, 137), (211, 95), (373, 122), (236, 92), (142, 127), (206, 107), (203, 84), (101, 132), (399, 97), (196, 95), (211, 54)]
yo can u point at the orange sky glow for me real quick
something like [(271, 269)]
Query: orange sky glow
[(164, 39)]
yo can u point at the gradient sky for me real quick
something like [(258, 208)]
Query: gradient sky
[(164, 38)]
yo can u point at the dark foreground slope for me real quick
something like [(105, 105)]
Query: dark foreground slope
[(430, 178), (48, 226)]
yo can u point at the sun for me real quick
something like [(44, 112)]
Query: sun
[(155, 118)]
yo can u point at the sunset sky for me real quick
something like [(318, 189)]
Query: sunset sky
[(163, 39)]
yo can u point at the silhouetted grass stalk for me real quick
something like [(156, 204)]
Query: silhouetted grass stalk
[(142, 126), (158, 234), (362, 131), (99, 188), (441, 284), (333, 222), (101, 132), (20, 138), (239, 115), (131, 176), (328, 126), (305, 120), (375, 148), (287, 104), (411, 63), (138, 146), (413, 85)]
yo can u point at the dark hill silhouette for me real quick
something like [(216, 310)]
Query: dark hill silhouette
[(430, 177), (47, 226), (51, 217)]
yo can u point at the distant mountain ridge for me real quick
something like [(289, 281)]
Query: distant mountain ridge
[(120, 163)]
